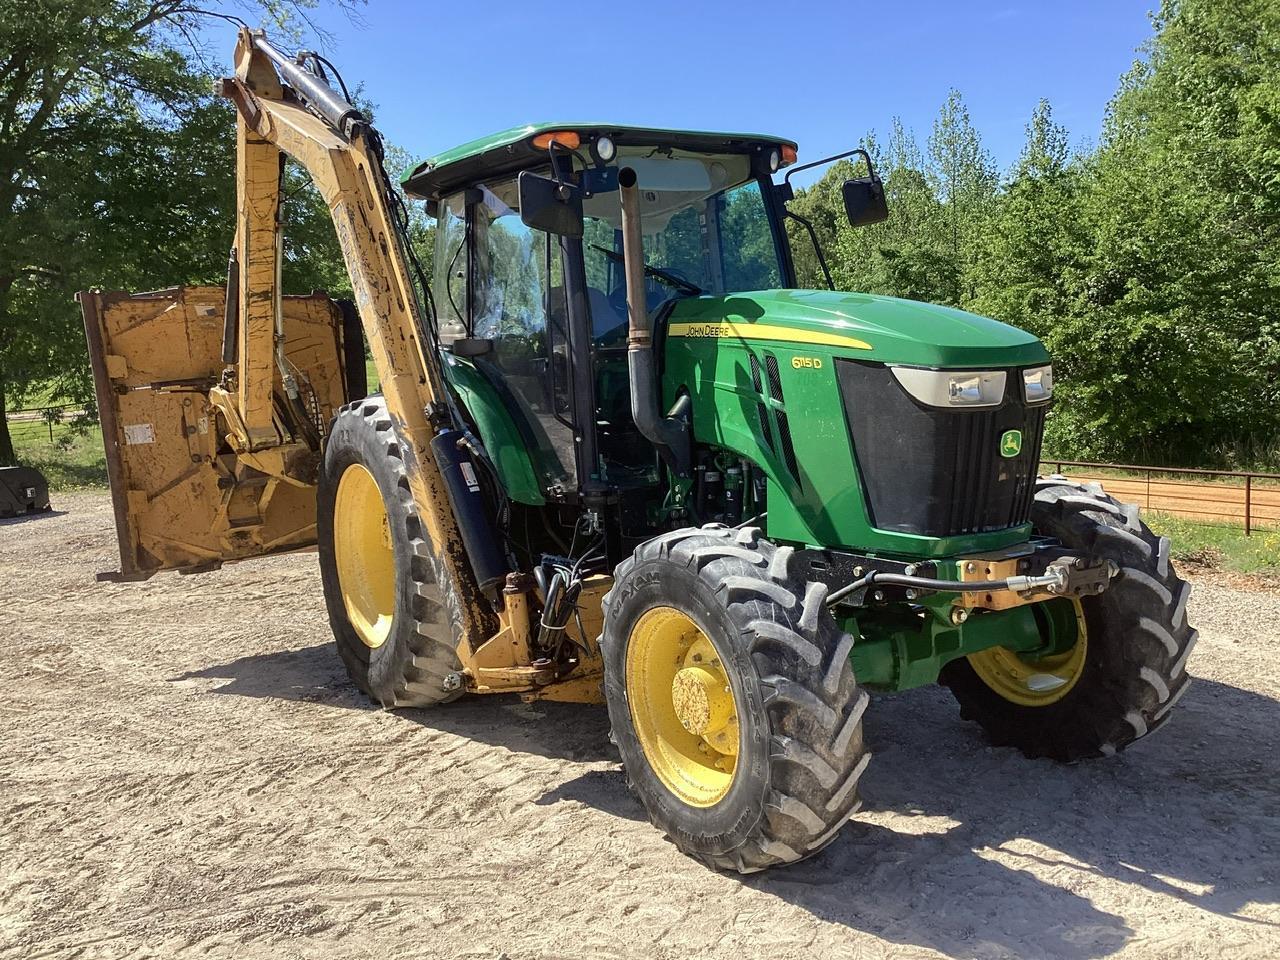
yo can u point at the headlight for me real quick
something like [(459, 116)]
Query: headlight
[(605, 148), (1037, 383), (952, 388)]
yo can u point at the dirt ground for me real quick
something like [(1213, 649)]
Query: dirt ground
[(185, 771)]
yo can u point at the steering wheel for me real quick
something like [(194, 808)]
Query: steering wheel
[(653, 298)]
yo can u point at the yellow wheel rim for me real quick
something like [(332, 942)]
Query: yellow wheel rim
[(362, 549), (682, 706), (1034, 683)]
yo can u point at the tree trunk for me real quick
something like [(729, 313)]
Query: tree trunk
[(7, 457)]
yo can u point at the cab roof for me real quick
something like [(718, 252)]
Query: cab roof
[(513, 149)]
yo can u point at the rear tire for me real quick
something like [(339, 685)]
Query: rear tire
[(1138, 638), (798, 707), (414, 662)]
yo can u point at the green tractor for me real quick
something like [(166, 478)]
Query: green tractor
[(800, 494), (620, 456)]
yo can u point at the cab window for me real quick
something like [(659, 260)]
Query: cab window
[(503, 284), (706, 229)]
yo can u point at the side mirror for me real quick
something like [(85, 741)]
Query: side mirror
[(864, 201), (550, 205)]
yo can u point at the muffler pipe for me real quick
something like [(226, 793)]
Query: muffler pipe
[(669, 435)]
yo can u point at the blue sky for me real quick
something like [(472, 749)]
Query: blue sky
[(821, 73)]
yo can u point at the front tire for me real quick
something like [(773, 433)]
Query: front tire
[(784, 782), (1134, 641), (396, 617)]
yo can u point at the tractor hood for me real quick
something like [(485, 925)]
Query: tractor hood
[(878, 328)]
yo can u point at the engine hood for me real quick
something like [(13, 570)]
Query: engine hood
[(865, 326)]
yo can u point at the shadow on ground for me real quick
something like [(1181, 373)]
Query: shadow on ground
[(1192, 814), (29, 517)]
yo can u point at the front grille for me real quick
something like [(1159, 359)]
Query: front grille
[(936, 472)]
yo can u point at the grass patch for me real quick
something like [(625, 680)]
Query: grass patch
[(73, 461), (371, 374), (1221, 547)]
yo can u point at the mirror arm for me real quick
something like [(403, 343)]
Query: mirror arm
[(817, 247), (871, 170), (555, 167)]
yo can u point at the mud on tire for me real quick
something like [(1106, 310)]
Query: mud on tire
[(800, 709), (1138, 638), (410, 668)]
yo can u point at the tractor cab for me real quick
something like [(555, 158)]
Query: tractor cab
[(534, 323)]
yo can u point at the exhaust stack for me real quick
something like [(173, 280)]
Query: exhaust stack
[(669, 434)]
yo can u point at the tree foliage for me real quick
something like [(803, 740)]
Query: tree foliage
[(117, 170), (1149, 264)]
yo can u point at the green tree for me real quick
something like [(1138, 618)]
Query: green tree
[(1173, 344), (1027, 257), (964, 180), (115, 170)]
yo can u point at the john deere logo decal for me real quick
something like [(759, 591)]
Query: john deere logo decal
[(1011, 443)]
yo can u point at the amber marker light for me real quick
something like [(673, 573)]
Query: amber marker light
[(566, 138), (788, 154)]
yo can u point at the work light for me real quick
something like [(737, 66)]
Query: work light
[(952, 388), (1037, 383)]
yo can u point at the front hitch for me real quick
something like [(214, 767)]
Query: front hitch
[(1042, 574), (1009, 578)]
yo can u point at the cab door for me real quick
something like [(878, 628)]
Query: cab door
[(182, 499)]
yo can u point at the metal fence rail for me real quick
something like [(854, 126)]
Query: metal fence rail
[(1236, 498), (44, 422)]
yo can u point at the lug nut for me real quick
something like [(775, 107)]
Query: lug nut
[(452, 681), (878, 595), (959, 615)]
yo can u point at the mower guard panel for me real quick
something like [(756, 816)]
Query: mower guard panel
[(182, 499)]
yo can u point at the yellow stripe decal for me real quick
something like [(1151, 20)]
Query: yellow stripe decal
[(762, 331)]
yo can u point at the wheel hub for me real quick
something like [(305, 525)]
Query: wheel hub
[(1038, 681), (682, 705), (700, 700), (365, 558)]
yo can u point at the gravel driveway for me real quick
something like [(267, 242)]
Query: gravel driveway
[(184, 770)]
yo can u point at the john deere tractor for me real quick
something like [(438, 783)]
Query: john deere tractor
[(620, 456)]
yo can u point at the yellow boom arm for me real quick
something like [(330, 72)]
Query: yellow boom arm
[(214, 454), (348, 175)]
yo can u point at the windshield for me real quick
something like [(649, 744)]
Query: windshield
[(706, 230)]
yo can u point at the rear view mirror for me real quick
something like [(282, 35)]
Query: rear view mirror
[(864, 201), (550, 205)]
